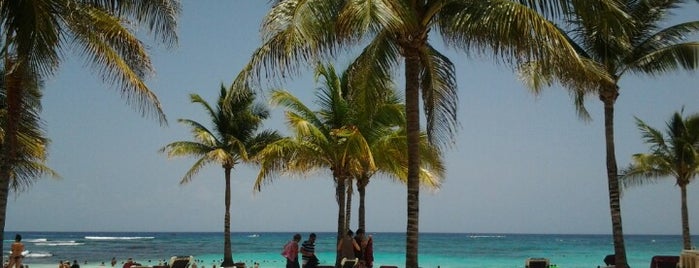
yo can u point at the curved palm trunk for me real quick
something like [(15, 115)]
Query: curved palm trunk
[(341, 228), (412, 106), (13, 93), (686, 238), (227, 248), (609, 98)]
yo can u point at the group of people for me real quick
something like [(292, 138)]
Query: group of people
[(291, 252), (350, 247), (360, 246), (66, 264)]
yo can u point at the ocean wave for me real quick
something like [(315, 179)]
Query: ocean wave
[(38, 255), (59, 243), (486, 236), (118, 237), (36, 240)]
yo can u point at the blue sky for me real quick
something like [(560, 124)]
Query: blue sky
[(520, 163)]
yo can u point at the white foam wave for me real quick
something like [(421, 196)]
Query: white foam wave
[(486, 236), (24, 253), (38, 255), (59, 243), (36, 240), (118, 237)]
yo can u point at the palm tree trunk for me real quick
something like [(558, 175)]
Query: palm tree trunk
[(13, 93), (686, 238), (361, 189), (341, 228), (348, 203), (608, 97), (4, 194), (227, 248), (412, 106)]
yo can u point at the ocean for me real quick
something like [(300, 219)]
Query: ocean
[(442, 250)]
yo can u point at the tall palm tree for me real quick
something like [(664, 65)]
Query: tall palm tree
[(295, 32), (234, 139), (638, 45), (35, 34), (673, 154)]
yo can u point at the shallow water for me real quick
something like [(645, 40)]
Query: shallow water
[(442, 250)]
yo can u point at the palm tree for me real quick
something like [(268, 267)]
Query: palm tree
[(674, 154), (382, 122), (638, 44), (324, 139), (296, 32), (34, 34), (235, 139), (390, 156)]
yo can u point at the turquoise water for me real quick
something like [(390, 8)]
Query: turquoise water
[(442, 250)]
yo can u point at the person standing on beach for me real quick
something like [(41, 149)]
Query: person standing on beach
[(369, 252), (75, 264), (114, 261), (308, 255), (359, 238), (347, 246), (291, 252), (16, 253)]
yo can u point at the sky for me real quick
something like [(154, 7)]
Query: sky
[(519, 164)]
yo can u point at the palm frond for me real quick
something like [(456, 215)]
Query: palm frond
[(160, 16), (34, 33), (645, 169), (371, 74), (669, 36), (195, 98), (194, 169), (292, 103), (651, 136), (261, 140), (185, 148), (440, 99), (514, 33), (295, 32), (360, 18), (305, 129), (286, 156), (29, 148), (201, 133), (117, 55), (671, 58)]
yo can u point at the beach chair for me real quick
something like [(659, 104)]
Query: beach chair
[(347, 263), (664, 261), (536, 263), (180, 261)]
